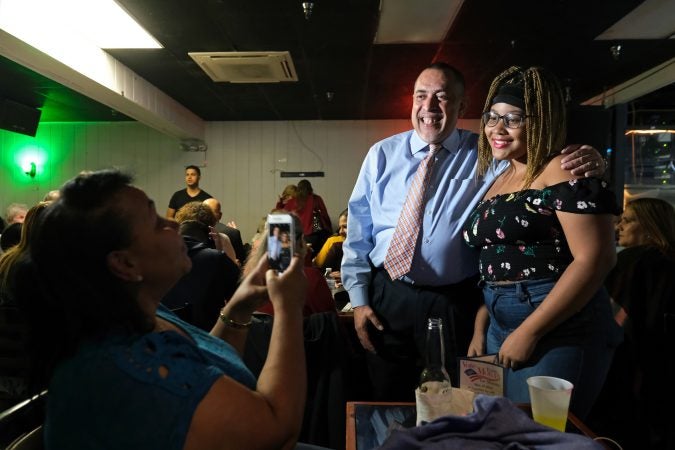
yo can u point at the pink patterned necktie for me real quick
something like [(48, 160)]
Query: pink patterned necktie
[(399, 256)]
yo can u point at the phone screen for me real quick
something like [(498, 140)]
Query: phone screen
[(280, 241)]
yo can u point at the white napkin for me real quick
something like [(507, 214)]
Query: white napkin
[(440, 400)]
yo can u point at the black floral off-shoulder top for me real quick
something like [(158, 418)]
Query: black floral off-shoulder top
[(519, 235)]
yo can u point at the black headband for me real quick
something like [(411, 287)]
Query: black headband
[(513, 94)]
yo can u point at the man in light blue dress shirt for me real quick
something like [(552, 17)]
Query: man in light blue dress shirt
[(274, 244), (390, 315)]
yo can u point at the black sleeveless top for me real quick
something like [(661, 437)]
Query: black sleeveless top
[(519, 235)]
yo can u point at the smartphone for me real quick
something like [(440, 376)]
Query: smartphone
[(280, 241)]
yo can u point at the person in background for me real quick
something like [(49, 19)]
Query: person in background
[(233, 234), (318, 297), (391, 309), (311, 209), (9, 258), (634, 407), (104, 258), (329, 260), (51, 196), (14, 366), (10, 237), (288, 193), (192, 193), (199, 295), (16, 213), (545, 241), (321, 261), (199, 218), (259, 233)]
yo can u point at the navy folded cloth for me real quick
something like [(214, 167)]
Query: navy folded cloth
[(495, 424)]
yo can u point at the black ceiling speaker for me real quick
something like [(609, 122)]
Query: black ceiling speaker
[(18, 118)]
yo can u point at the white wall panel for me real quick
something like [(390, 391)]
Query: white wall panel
[(241, 167)]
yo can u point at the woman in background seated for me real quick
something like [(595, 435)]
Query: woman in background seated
[(9, 258), (123, 371), (199, 220), (635, 406), (330, 257), (198, 296), (333, 246), (14, 367), (318, 297)]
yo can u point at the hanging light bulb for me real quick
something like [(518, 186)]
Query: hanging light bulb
[(615, 51), (307, 8)]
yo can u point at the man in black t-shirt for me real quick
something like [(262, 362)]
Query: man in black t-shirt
[(190, 194)]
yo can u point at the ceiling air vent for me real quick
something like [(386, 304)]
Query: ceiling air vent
[(246, 67)]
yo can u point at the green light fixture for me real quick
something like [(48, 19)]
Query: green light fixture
[(31, 170)]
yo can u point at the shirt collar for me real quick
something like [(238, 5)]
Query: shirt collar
[(450, 144)]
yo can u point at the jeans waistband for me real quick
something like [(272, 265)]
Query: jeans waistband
[(516, 285)]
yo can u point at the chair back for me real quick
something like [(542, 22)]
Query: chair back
[(14, 362), (28, 441), (21, 421)]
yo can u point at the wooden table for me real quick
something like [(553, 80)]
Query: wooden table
[(573, 425)]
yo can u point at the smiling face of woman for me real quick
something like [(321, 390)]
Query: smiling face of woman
[(507, 143)]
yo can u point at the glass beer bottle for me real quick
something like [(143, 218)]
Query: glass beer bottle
[(434, 377)]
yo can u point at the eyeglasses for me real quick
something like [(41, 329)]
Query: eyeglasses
[(511, 120)]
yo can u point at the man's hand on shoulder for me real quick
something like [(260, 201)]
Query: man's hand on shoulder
[(583, 160), (363, 315)]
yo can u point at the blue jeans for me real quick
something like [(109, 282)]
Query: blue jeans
[(579, 350)]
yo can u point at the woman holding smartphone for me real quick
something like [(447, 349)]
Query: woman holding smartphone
[(124, 372)]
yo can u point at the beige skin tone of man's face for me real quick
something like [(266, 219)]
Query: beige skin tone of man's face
[(215, 207), (18, 218), (436, 106), (192, 178)]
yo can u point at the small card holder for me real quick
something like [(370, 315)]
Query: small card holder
[(482, 375)]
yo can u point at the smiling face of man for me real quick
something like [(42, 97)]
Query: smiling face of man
[(438, 101)]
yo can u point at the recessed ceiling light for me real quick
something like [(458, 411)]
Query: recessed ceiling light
[(653, 19), (103, 23), (406, 22)]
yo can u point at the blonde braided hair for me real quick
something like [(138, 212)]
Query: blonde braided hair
[(545, 125)]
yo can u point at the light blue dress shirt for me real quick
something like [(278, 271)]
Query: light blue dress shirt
[(273, 247), (441, 256)]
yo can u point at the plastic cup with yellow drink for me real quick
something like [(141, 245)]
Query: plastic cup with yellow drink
[(550, 398)]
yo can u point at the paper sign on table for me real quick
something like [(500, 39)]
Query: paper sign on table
[(482, 375)]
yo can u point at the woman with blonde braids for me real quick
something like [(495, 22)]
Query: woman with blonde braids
[(545, 241)]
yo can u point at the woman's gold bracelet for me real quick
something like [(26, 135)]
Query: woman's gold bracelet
[(232, 323)]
